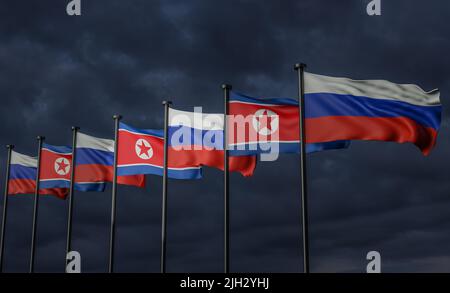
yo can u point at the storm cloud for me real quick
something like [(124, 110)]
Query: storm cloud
[(126, 57)]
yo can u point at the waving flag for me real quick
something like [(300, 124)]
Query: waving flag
[(261, 125), (56, 163), (95, 159), (198, 140), (22, 178), (345, 109), (142, 152)]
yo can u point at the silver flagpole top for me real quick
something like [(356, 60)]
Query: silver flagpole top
[(299, 66)]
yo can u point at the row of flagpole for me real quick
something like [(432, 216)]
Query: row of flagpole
[(300, 68), (36, 204), (226, 88), (164, 190), (114, 192), (226, 186), (5, 205), (71, 192)]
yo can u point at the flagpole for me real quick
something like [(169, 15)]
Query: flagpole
[(226, 88), (300, 68), (71, 193), (36, 204), (5, 205), (114, 191), (164, 190)]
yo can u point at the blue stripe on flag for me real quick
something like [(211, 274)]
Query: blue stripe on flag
[(21, 172), (329, 104), (289, 148), (58, 149), (193, 173), (87, 156), (269, 101), (155, 132)]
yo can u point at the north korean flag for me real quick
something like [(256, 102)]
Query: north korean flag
[(142, 152), (269, 123), (56, 168)]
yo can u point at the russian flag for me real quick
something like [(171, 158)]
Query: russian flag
[(56, 164), (95, 160), (345, 109), (22, 177), (142, 152), (268, 125), (197, 140)]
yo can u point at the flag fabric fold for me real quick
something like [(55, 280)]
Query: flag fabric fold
[(345, 109)]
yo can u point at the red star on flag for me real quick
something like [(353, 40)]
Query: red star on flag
[(62, 166), (143, 149), (265, 121)]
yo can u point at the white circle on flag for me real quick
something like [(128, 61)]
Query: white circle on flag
[(62, 166), (143, 149), (265, 122)]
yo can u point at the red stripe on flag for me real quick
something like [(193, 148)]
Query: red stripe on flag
[(397, 129), (103, 173), (28, 186), (212, 158), (288, 122)]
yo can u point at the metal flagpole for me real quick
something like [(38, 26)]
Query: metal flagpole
[(5, 206), (226, 88), (114, 191), (36, 204), (71, 192), (164, 191), (300, 68)]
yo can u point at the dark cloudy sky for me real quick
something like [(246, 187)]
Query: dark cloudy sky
[(127, 56)]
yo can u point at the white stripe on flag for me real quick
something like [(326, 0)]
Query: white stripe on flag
[(87, 141), (376, 89), (24, 160), (195, 120)]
